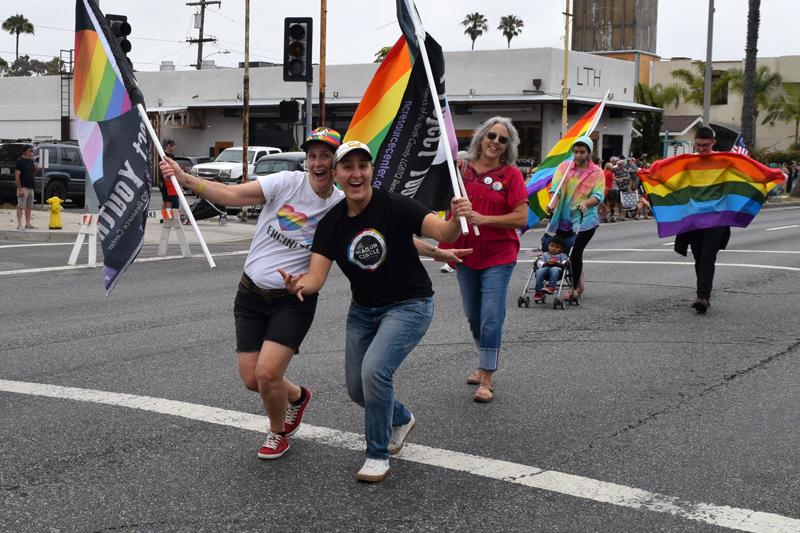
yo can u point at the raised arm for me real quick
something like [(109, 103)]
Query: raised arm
[(230, 195), (446, 255), (308, 282), (447, 231)]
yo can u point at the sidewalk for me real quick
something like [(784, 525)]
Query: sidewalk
[(234, 231)]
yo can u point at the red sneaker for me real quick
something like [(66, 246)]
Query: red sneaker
[(294, 414), (274, 446), (550, 289), (538, 295)]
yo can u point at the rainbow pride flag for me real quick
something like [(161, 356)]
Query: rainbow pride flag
[(397, 119), (538, 184), (113, 139), (689, 192)]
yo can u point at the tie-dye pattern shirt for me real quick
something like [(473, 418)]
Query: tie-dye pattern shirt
[(581, 185)]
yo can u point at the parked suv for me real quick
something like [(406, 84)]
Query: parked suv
[(270, 164), (227, 167), (65, 176)]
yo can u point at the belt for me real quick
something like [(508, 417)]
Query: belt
[(267, 294)]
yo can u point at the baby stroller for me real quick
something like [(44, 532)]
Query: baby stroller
[(203, 209), (565, 282)]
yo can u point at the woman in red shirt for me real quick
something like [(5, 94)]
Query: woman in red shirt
[(499, 206)]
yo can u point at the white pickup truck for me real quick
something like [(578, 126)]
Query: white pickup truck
[(227, 167)]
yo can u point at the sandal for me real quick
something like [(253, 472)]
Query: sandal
[(484, 394), (475, 377)]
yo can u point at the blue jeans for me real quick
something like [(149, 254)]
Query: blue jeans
[(551, 273), (483, 294), (378, 341)]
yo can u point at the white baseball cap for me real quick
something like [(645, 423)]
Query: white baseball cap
[(350, 146)]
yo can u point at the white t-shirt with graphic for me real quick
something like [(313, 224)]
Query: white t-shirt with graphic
[(286, 227)]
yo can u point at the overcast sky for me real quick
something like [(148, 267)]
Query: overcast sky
[(358, 28)]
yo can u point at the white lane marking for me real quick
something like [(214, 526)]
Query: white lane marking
[(668, 243), (38, 244), (683, 263), (661, 250), (519, 474), (783, 227), (138, 260)]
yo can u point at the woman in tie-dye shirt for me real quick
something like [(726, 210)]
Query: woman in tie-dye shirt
[(576, 210)]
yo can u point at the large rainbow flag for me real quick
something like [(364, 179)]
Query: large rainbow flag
[(113, 139), (538, 184), (689, 192), (397, 119)]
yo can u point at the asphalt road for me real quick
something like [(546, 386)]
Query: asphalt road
[(640, 414)]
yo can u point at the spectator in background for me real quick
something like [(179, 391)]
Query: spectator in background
[(623, 181), (169, 196), (794, 173), (611, 202), (24, 176)]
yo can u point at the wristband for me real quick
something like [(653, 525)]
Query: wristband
[(201, 187)]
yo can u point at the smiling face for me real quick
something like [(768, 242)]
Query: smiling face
[(493, 144), (319, 163), (353, 173)]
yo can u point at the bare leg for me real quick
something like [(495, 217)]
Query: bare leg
[(263, 372)]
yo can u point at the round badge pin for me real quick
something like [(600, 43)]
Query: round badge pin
[(487, 180), (497, 186)]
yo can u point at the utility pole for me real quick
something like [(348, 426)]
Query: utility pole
[(246, 93), (322, 36), (565, 88), (709, 70), (200, 40)]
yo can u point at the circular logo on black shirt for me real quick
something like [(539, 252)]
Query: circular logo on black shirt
[(367, 249)]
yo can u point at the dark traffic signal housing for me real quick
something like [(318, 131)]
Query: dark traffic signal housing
[(297, 42), (120, 29)]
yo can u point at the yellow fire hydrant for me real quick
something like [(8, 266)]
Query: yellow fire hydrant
[(55, 212)]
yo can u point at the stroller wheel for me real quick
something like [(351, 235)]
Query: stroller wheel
[(520, 302), (527, 301), (223, 220), (184, 220)]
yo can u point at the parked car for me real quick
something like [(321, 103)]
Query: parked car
[(270, 164), (227, 167), (187, 162), (65, 176), (9, 153)]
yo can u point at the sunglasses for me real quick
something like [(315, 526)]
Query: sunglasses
[(500, 138)]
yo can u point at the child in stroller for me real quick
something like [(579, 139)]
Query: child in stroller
[(549, 267), (553, 266)]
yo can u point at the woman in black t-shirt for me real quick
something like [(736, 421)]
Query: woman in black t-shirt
[(371, 237)]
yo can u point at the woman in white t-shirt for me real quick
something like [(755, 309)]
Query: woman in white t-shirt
[(271, 323)]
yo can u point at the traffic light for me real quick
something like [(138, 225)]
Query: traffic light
[(297, 32), (120, 29)]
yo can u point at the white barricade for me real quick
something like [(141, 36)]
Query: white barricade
[(172, 222)]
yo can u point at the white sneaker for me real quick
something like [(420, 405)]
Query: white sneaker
[(447, 268), (374, 470), (399, 435)]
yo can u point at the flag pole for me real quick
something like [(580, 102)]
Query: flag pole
[(184, 203), (444, 136), (463, 189)]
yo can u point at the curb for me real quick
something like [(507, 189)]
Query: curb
[(38, 236)]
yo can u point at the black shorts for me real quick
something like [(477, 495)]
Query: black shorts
[(284, 320), (612, 196)]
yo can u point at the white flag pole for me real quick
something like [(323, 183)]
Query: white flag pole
[(184, 203), (461, 186), (444, 136)]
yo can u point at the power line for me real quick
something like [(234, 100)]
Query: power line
[(200, 40), (130, 37)]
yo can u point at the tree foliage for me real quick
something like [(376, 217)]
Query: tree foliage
[(381, 54), (16, 25), (25, 66), (476, 25), (649, 124), (764, 84), (510, 26), (786, 108), (694, 84), (749, 89)]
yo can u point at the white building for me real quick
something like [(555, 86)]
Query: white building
[(201, 110)]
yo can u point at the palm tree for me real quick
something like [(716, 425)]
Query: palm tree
[(649, 124), (475, 25), (749, 109), (761, 88), (786, 108), (15, 25), (511, 26), (694, 83), (381, 54)]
